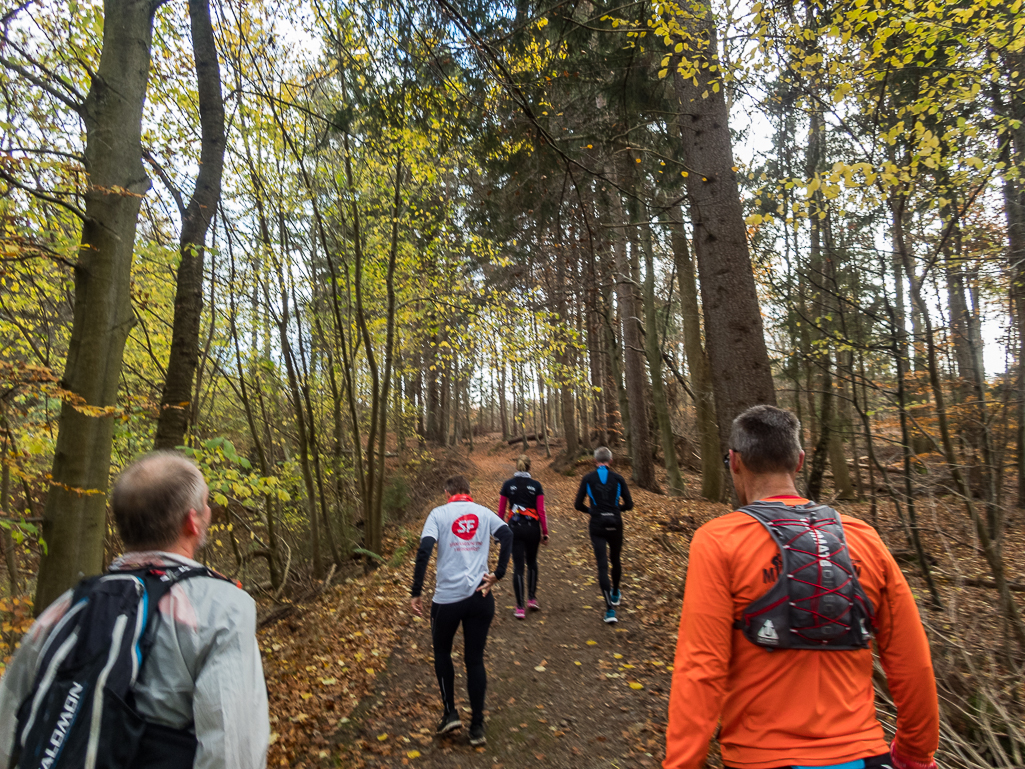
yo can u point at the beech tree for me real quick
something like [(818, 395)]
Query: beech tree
[(74, 518)]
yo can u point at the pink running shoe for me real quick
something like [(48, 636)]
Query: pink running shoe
[(520, 613), (533, 605)]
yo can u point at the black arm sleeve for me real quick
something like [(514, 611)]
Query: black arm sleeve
[(423, 556), (627, 503), (578, 503), (504, 536)]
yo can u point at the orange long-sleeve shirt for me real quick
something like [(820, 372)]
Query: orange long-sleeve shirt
[(789, 706)]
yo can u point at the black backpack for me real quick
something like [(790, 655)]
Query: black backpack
[(604, 504), (80, 713), (817, 601)]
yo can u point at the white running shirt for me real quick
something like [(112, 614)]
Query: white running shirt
[(463, 531)]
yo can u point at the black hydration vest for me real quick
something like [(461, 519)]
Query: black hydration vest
[(81, 713), (522, 492), (605, 512), (817, 601)]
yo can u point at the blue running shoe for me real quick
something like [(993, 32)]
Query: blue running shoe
[(610, 617), (615, 596)]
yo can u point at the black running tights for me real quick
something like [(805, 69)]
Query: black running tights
[(526, 539), (475, 613), (608, 545)]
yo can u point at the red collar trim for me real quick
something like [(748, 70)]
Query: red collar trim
[(460, 498), (785, 496)]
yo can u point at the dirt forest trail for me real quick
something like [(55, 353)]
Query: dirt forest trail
[(564, 689)]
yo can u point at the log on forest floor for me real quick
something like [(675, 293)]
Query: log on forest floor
[(530, 437), (1014, 587)]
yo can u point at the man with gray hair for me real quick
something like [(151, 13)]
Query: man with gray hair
[(605, 488), (200, 691), (781, 601)]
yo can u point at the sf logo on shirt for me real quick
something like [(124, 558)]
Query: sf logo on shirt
[(465, 526)]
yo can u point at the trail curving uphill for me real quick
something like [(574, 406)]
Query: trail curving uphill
[(564, 689)]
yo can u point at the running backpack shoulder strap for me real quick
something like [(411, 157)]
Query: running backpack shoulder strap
[(817, 601), (80, 711)]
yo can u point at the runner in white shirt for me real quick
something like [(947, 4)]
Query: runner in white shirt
[(462, 530)]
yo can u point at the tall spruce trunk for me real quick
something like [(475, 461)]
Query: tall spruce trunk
[(640, 438), (176, 402), (617, 407), (712, 476), (502, 406), (653, 348), (432, 372), (596, 369), (74, 518), (563, 359), (615, 377), (741, 374)]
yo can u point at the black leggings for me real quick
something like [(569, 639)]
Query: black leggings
[(526, 539), (613, 540), (476, 613)]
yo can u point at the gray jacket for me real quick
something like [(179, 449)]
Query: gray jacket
[(203, 672)]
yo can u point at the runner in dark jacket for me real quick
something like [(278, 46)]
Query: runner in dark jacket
[(522, 506), (605, 488)]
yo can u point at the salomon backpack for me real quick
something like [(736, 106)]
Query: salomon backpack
[(817, 601), (81, 714)]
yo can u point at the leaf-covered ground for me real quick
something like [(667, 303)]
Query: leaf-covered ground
[(351, 677), (352, 680)]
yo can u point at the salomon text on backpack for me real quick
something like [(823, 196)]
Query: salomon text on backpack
[(80, 714), (817, 601)]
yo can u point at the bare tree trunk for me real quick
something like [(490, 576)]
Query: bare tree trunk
[(564, 360), (1014, 211), (897, 212), (445, 399), (318, 475), (261, 454), (300, 423), (581, 395), (503, 407), (640, 440), (712, 486), (432, 373), (74, 518), (616, 377), (188, 300), (10, 552), (821, 453), (595, 348), (519, 380), (842, 486), (653, 348), (375, 541), (616, 406)]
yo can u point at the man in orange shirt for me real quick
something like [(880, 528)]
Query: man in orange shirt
[(793, 707)]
